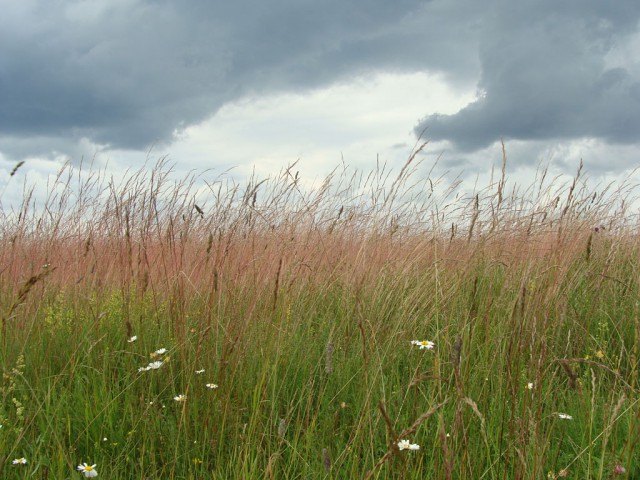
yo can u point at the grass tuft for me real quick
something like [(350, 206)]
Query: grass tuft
[(308, 331)]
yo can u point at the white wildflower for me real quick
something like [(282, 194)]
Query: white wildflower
[(152, 366), (423, 344), (88, 470), (406, 445)]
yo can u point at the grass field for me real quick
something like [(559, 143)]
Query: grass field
[(289, 318)]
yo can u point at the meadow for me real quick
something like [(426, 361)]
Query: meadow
[(384, 324)]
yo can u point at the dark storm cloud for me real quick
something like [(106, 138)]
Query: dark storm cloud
[(129, 73), (545, 75)]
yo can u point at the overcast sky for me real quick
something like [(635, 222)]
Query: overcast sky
[(258, 84)]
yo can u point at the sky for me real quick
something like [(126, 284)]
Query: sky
[(253, 86)]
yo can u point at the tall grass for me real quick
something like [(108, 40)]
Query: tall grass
[(300, 304)]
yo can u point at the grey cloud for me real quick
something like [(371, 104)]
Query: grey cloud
[(544, 76), (129, 73)]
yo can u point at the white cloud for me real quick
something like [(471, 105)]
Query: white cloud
[(355, 121)]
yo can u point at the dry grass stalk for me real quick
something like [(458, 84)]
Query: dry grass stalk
[(612, 418), (282, 428), (446, 452), (270, 465), (456, 351), (573, 377), (276, 287), (474, 407), (326, 460), (16, 168), (328, 358), (22, 295)]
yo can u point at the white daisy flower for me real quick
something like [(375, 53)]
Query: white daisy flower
[(88, 470), (423, 344), (212, 386), (564, 416), (152, 366), (406, 445), (20, 461), (180, 398), (198, 372), (161, 351), (133, 339), (529, 386)]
